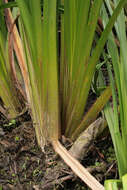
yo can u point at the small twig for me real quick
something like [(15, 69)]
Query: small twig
[(110, 168), (100, 168), (56, 182)]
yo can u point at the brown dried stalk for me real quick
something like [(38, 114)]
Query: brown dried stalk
[(77, 168), (18, 48)]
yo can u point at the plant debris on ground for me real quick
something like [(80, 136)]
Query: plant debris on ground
[(23, 165)]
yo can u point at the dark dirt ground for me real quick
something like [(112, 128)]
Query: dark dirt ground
[(23, 166)]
